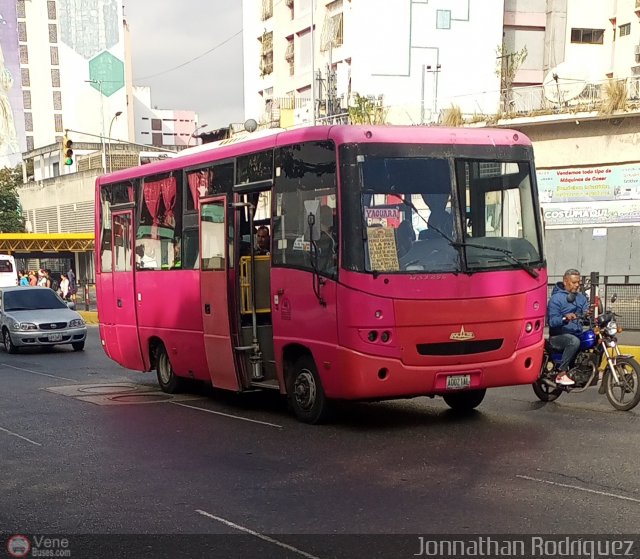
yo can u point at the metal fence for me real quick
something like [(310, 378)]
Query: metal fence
[(627, 304)]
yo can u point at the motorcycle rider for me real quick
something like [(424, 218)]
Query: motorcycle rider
[(564, 322)]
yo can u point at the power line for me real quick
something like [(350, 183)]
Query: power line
[(191, 60)]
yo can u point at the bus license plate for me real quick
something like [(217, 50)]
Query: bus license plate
[(456, 382), (55, 337)]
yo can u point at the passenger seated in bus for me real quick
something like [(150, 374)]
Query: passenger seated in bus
[(177, 253), (405, 235), (263, 241), (326, 244), (144, 261), (440, 223)]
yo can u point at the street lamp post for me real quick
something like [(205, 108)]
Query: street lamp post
[(198, 127), (109, 135), (104, 157)]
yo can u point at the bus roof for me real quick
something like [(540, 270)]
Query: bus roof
[(341, 134)]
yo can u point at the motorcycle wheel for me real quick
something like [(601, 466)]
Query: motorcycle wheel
[(624, 395), (545, 392)]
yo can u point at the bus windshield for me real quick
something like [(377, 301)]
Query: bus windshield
[(442, 214)]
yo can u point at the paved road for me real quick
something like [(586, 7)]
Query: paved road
[(77, 458)]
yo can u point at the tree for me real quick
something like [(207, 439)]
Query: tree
[(508, 64), (367, 110), (10, 210)]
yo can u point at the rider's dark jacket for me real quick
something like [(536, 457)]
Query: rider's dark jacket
[(559, 307)]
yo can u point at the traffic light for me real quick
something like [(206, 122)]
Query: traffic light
[(67, 150)]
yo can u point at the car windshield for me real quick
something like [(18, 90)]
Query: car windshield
[(32, 299)]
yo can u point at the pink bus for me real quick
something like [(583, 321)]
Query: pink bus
[(403, 262)]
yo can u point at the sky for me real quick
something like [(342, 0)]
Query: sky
[(189, 52)]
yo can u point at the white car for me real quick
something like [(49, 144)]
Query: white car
[(36, 316)]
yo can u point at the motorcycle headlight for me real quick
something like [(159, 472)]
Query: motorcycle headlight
[(612, 328), (76, 323)]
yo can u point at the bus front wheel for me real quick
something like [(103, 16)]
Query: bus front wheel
[(167, 379), (467, 400), (305, 392)]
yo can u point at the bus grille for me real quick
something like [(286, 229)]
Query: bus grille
[(459, 348)]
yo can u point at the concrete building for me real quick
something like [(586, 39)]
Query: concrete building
[(409, 55), (162, 127)]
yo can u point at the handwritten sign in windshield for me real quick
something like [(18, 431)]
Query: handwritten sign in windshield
[(383, 253)]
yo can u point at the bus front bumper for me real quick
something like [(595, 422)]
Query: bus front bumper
[(357, 376)]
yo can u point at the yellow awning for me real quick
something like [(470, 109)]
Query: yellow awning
[(46, 242)]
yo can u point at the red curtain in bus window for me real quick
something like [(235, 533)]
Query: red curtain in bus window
[(168, 189), (198, 185), (130, 192), (151, 193)]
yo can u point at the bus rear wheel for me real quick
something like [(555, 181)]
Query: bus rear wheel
[(464, 401), (167, 379), (306, 395)]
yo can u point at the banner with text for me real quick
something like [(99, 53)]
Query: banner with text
[(596, 195)]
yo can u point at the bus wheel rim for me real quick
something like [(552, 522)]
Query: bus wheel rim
[(165, 369), (305, 389)]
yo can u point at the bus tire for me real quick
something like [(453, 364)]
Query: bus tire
[(465, 401), (305, 393), (167, 379), (8, 342)]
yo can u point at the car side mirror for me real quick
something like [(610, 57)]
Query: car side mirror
[(571, 297)]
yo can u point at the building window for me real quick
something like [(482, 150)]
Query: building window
[(53, 33), (57, 101), (53, 54), (587, 36), (443, 19), (266, 53), (332, 32), (289, 55), (30, 143), (156, 124), (28, 122), (57, 122), (625, 29), (26, 99), (55, 77), (22, 32), (267, 9), (156, 139), (24, 74), (20, 11), (51, 9), (24, 54)]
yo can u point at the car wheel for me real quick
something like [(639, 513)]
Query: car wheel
[(8, 342), (167, 379), (78, 346)]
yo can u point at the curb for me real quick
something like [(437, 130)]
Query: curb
[(90, 317)]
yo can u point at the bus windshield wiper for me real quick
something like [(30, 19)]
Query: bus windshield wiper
[(508, 255)]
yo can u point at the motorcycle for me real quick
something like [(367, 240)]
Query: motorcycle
[(598, 362)]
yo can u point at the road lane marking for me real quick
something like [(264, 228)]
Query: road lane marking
[(604, 493), (229, 415), (20, 436), (37, 372), (258, 535)]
